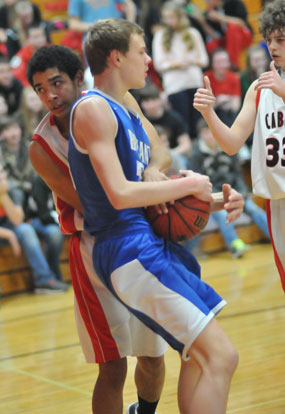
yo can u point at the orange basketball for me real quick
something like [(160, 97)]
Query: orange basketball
[(185, 219)]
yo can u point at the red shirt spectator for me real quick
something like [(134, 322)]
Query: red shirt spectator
[(225, 86), (36, 39), (230, 83)]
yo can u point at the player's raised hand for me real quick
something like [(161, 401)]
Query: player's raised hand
[(204, 98), (271, 80)]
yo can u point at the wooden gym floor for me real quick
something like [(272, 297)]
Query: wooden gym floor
[(42, 370)]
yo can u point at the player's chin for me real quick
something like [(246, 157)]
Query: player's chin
[(140, 84)]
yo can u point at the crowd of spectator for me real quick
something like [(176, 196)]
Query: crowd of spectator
[(185, 43)]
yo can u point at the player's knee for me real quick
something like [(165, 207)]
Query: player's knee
[(223, 359), (152, 366), (214, 352), (113, 373)]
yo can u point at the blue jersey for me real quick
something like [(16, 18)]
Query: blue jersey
[(158, 281), (133, 150)]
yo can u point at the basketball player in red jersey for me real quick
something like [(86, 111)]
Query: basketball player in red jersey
[(263, 111), (108, 332)]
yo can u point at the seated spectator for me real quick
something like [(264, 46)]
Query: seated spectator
[(179, 55), (10, 87), (14, 214), (28, 13), (36, 38), (207, 158), (14, 17), (18, 233), (14, 159), (44, 219), (154, 109), (229, 20), (177, 164), (3, 107), (257, 62), (32, 111), (225, 86)]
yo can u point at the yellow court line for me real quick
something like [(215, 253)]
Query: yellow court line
[(261, 404), (47, 380)]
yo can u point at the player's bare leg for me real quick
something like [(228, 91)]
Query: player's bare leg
[(217, 360), (108, 391), (188, 379), (149, 377)]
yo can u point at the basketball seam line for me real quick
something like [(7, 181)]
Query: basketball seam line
[(182, 218), (193, 208)]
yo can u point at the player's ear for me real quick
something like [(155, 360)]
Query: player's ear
[(79, 78), (114, 57)]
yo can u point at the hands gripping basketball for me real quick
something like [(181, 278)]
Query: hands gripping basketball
[(187, 216), (201, 187)]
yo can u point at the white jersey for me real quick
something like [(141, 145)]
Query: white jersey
[(50, 138), (268, 149)]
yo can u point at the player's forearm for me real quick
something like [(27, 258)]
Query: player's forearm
[(77, 25), (224, 135), (142, 194), (14, 213)]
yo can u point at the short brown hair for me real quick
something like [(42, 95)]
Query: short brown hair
[(272, 18), (104, 36)]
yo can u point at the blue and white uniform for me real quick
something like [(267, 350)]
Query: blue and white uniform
[(156, 280)]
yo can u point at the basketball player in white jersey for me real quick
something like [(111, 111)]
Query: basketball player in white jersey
[(264, 112), (108, 332)]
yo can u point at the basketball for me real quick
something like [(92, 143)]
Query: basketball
[(186, 218)]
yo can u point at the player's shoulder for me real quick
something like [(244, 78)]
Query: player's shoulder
[(91, 102), (44, 125)]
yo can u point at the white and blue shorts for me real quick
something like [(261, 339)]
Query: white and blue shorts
[(107, 329), (159, 282)]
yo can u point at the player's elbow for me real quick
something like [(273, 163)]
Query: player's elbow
[(118, 200), (121, 199)]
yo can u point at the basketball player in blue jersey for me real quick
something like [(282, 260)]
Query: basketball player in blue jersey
[(108, 332), (263, 111), (157, 281)]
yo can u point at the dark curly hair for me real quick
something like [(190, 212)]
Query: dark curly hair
[(54, 56), (272, 18)]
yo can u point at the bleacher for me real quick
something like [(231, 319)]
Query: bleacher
[(15, 273)]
